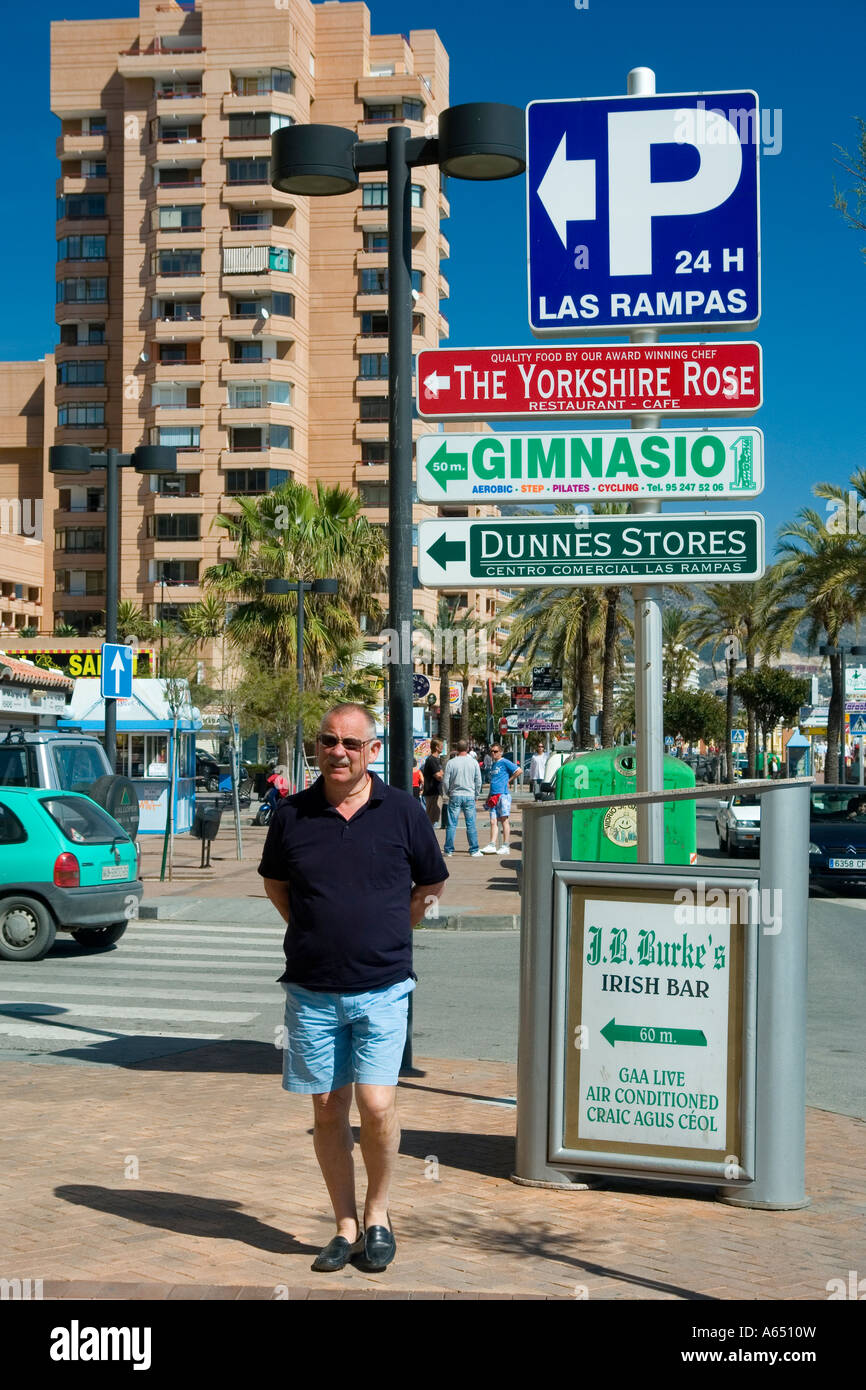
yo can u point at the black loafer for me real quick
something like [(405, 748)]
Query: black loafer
[(379, 1249), (336, 1254)]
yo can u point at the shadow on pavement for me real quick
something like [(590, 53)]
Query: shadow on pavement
[(187, 1214)]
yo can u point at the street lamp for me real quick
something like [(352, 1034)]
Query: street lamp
[(77, 458), (300, 587), (479, 140), (842, 651)]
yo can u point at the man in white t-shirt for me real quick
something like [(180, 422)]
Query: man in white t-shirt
[(536, 767)]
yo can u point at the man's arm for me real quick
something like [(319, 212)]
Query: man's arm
[(278, 892), (422, 894)]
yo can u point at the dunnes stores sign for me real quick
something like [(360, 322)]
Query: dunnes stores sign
[(591, 549), (614, 464)]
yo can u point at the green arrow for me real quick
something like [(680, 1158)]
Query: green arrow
[(443, 550), (680, 1037), (443, 466)]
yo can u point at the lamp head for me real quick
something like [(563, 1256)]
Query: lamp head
[(316, 160), (482, 140), (154, 458), (69, 458)]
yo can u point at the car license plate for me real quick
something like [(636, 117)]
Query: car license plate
[(113, 871), (848, 864)]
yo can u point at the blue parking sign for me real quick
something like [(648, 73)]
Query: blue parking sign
[(642, 212)]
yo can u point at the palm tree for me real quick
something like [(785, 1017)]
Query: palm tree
[(820, 572), (448, 638), (717, 619), (678, 661), (567, 627), (294, 533)]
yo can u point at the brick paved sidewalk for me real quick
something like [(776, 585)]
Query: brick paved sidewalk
[(193, 1177), (479, 887)]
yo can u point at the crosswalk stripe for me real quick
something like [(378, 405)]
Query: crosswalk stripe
[(105, 974), (203, 929), (74, 1035), (266, 966), (200, 951), (46, 990), (135, 1011)]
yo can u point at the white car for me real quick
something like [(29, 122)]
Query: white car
[(738, 823)]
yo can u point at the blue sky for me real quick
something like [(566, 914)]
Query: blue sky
[(805, 62)]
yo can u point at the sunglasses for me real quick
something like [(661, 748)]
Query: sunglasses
[(351, 745)]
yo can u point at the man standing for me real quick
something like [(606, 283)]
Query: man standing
[(433, 774), (502, 773), (536, 767), (350, 865), (462, 784)]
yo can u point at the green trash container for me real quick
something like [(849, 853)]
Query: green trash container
[(608, 835)]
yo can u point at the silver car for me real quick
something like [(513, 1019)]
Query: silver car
[(738, 823)]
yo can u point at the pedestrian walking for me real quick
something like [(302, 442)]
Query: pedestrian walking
[(350, 865), (536, 767), (433, 772), (462, 784), (502, 773)]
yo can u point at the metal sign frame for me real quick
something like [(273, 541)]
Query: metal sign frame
[(735, 1159)]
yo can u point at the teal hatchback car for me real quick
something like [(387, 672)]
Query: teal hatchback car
[(65, 865)]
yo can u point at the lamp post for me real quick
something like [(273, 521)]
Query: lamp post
[(77, 458), (479, 140), (300, 587), (843, 651)]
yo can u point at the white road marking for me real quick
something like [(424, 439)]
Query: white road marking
[(70, 1035), (132, 1011), (109, 991)]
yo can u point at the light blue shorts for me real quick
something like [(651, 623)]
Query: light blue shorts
[(502, 807), (334, 1039)]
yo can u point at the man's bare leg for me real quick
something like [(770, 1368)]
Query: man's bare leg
[(380, 1141), (332, 1141)]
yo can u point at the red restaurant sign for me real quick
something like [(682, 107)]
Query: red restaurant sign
[(532, 382)]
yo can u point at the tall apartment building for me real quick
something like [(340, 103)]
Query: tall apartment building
[(198, 307)]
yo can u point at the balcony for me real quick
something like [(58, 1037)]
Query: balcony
[(389, 89), (169, 151), (444, 247), (70, 184), (169, 55), (281, 103), (444, 288), (164, 372), (243, 195), (81, 146), (176, 330), (177, 194), (246, 147), (252, 371)]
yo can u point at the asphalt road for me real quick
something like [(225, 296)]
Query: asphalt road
[(169, 987)]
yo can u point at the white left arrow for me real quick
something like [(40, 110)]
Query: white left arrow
[(117, 667), (567, 191), (433, 384)]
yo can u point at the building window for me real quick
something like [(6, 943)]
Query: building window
[(81, 374), (247, 171), (417, 198), (413, 110), (177, 436), (81, 415), (179, 219), (373, 407), (178, 91), (256, 126), (374, 280), (277, 80), (174, 571), (244, 221), (94, 169), (169, 527), (379, 115), (374, 325), (77, 583), (81, 539), (373, 494), (374, 195), (176, 484), (81, 248), (283, 304), (82, 291), (246, 352), (81, 499), (409, 109), (251, 395), (252, 482), (375, 241), (374, 452), (179, 352), (374, 365), (177, 310), (176, 177), (80, 207), (177, 263)]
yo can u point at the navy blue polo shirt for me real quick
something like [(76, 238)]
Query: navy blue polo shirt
[(350, 882)]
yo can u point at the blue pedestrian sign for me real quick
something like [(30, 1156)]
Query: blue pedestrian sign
[(738, 736), (116, 668), (858, 726), (642, 212)]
